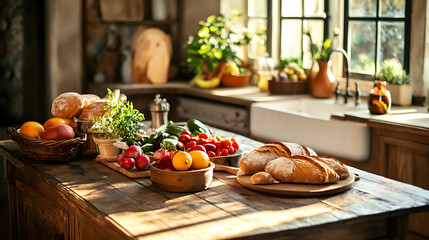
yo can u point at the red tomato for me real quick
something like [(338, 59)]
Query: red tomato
[(231, 150), (235, 144), (218, 152), (198, 147), (224, 152), (190, 144), (218, 145), (194, 138), (184, 138), (209, 147), (186, 132), (203, 135), (226, 143), (211, 154), (211, 141), (201, 141), (181, 145)]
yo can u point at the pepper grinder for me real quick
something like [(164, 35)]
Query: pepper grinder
[(159, 110)]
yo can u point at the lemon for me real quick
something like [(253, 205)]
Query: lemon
[(200, 159), (182, 161), (231, 67)]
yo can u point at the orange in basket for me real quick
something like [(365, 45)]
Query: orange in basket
[(32, 129), (52, 122)]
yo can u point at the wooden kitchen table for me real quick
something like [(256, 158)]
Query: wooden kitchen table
[(83, 199)]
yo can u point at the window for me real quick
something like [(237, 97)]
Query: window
[(297, 17), (376, 30), (257, 22)]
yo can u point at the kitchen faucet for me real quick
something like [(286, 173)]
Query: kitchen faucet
[(337, 91)]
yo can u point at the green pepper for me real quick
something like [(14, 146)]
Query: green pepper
[(154, 136), (196, 125), (169, 144), (174, 137)]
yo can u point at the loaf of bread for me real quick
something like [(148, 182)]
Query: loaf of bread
[(93, 110), (301, 169), (338, 166), (90, 98), (255, 160), (262, 178), (68, 105)]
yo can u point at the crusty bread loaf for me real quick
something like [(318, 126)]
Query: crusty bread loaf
[(68, 105), (262, 178), (90, 98), (255, 160), (301, 169), (338, 166), (93, 110)]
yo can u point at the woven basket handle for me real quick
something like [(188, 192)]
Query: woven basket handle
[(11, 133)]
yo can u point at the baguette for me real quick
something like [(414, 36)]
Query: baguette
[(338, 166), (256, 159), (301, 169)]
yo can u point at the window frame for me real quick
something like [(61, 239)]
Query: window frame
[(377, 19), (325, 20)]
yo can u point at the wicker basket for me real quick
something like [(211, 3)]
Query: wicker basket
[(46, 150)]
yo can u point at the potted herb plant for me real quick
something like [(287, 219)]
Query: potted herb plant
[(120, 123), (398, 82), (213, 48), (323, 84)]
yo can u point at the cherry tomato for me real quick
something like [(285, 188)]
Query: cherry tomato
[(218, 145), (218, 152), (186, 132), (231, 150), (198, 147), (194, 138), (184, 138), (203, 135), (190, 144), (224, 152), (211, 141), (211, 154), (209, 147), (201, 141), (181, 145), (235, 144), (226, 143)]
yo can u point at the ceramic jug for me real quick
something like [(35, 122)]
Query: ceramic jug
[(323, 84)]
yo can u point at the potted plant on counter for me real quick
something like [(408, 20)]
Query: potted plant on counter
[(398, 82), (121, 123), (213, 49)]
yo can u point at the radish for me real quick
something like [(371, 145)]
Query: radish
[(128, 163), (142, 162), (134, 151), (120, 158)]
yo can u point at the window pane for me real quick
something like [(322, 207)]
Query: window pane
[(391, 42), (291, 8), (361, 46), (314, 8), (362, 8), (257, 8), (392, 8), (258, 44), (291, 35), (316, 29)]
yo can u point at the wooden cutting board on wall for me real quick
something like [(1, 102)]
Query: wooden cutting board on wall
[(152, 50)]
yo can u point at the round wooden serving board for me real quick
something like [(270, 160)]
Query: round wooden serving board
[(298, 189)]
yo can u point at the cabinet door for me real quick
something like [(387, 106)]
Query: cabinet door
[(37, 216), (408, 162)]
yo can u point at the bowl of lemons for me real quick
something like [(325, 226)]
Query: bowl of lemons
[(235, 76)]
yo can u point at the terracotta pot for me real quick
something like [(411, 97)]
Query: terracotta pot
[(217, 72), (107, 150), (323, 85)]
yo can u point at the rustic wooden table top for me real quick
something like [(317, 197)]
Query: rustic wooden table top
[(226, 209)]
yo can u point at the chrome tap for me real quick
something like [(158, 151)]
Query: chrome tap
[(347, 94)]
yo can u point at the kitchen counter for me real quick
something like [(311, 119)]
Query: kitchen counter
[(83, 199)]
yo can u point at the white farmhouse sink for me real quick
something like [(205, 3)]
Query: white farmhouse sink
[(308, 122)]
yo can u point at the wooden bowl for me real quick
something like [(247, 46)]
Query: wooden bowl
[(232, 80), (181, 181)]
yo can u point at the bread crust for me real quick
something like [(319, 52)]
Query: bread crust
[(301, 169), (256, 159), (337, 165), (93, 110), (262, 178), (68, 105)]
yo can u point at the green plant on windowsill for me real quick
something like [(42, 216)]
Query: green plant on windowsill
[(121, 121), (214, 44), (392, 72), (322, 53)]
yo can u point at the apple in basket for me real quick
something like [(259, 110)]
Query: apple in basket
[(59, 132)]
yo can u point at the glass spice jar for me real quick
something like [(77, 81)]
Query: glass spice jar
[(380, 99)]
